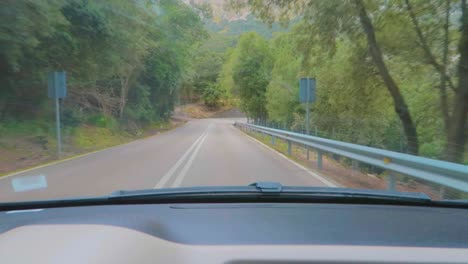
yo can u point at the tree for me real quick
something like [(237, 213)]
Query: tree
[(117, 54), (455, 118), (251, 74), (23, 25), (225, 77), (457, 131), (282, 91), (212, 95), (207, 65), (401, 108), (179, 31), (328, 19)]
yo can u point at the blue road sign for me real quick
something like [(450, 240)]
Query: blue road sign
[(57, 85), (307, 90)]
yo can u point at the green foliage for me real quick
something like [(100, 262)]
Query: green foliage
[(283, 91), (251, 74), (240, 26), (140, 107), (124, 59), (101, 120), (25, 128), (71, 117), (205, 67), (354, 104), (225, 79), (212, 95), (90, 137)]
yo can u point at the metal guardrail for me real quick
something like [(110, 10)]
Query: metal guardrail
[(441, 172)]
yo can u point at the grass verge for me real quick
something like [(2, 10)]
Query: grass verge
[(25, 145)]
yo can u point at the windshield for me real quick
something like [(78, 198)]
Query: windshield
[(101, 96)]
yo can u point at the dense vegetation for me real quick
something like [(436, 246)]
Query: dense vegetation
[(391, 74), (125, 60), (240, 26)]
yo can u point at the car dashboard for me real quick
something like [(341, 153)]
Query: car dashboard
[(235, 233)]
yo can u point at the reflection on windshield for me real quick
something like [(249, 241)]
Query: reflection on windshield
[(28, 183)]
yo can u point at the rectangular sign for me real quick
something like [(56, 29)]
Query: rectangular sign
[(57, 85), (307, 90)]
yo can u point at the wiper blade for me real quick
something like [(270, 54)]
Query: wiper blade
[(274, 190), (269, 187), (453, 202), (274, 187), (260, 192)]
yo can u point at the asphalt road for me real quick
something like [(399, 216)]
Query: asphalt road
[(205, 152)]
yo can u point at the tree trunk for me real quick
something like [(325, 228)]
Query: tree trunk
[(457, 133), (440, 68), (123, 96), (444, 77), (401, 108), (124, 87)]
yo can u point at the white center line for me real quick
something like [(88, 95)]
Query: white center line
[(184, 170), (173, 169), (169, 174)]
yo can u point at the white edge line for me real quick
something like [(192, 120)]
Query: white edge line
[(320, 178)]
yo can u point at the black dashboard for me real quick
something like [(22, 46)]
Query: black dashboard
[(267, 223)]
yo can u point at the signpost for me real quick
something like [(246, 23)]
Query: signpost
[(307, 95), (57, 89)]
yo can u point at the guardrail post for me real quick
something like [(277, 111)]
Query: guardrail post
[(449, 175), (319, 159), (307, 150), (273, 140), (442, 192), (354, 167), (391, 181)]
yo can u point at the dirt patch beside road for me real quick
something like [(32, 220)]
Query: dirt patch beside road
[(199, 110), (22, 152), (230, 113)]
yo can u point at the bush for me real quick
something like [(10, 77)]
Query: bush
[(71, 118), (432, 150), (212, 95), (25, 127), (101, 120), (140, 107)]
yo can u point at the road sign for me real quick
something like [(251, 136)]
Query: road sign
[(57, 89), (57, 85), (307, 90), (307, 95)]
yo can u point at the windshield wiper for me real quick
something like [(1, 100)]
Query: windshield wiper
[(259, 192), (275, 192)]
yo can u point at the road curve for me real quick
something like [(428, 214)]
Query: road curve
[(205, 152)]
